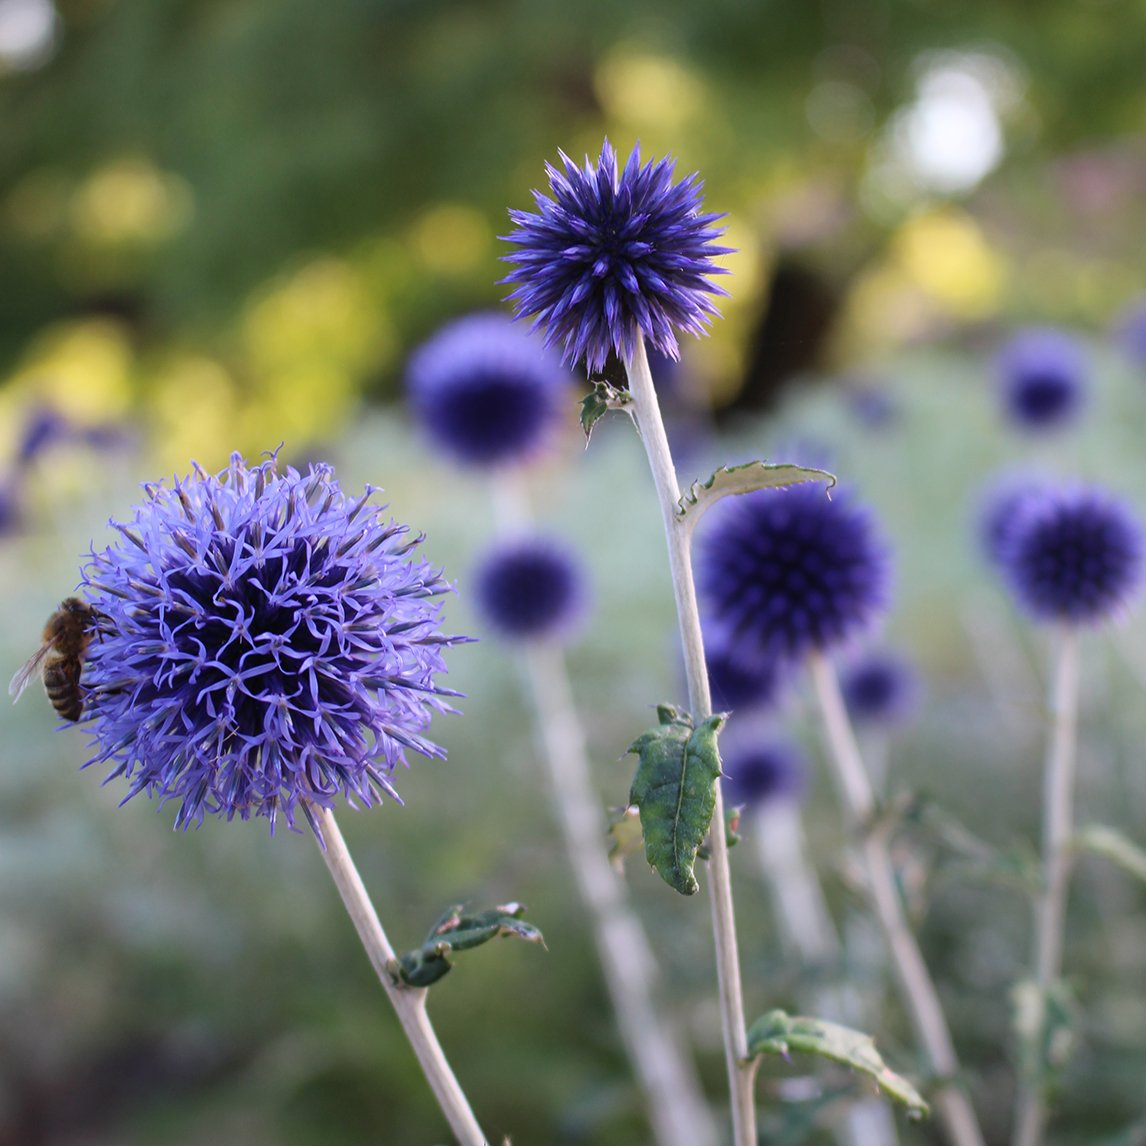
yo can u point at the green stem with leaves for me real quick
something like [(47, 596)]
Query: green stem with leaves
[(409, 1002), (741, 1072), (914, 980), (1050, 906)]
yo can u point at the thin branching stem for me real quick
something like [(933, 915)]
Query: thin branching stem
[(741, 1072), (408, 1002), (914, 980), (1050, 906)]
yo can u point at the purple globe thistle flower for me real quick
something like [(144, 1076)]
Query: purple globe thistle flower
[(1075, 556), (1042, 374), (531, 588), (762, 772), (615, 254), (738, 684), (264, 643), (486, 392), (787, 571), (879, 688), (1001, 510)]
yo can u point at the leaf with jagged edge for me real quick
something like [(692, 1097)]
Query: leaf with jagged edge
[(675, 791), (779, 1033), (746, 478), (458, 930), (603, 398), (1111, 844)]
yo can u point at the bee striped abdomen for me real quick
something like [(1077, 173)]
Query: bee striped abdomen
[(62, 684)]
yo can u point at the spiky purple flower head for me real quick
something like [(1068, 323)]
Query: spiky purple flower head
[(531, 588), (615, 254), (759, 772), (1075, 556), (1042, 375), (787, 571), (880, 687), (738, 683), (264, 643), (486, 392)]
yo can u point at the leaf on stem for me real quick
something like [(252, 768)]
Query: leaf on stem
[(604, 397), (675, 790), (746, 478), (731, 830), (779, 1033), (458, 930), (1114, 846)]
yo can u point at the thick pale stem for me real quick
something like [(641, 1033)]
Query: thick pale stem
[(914, 981), (741, 1074), (673, 1098), (1050, 907), (409, 1003)]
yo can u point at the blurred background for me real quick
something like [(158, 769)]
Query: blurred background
[(225, 224)]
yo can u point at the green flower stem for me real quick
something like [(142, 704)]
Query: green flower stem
[(408, 1002), (1058, 827), (915, 986), (806, 923), (741, 1073), (675, 1104)]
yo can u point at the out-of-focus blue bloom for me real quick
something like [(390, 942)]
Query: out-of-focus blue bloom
[(1075, 556), (786, 571), (763, 772), (1130, 330), (879, 688), (1042, 375), (737, 683), (871, 404), (531, 588), (615, 254), (44, 426), (1001, 509), (264, 643), (487, 393)]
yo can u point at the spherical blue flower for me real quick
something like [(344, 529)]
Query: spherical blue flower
[(264, 642), (1001, 510), (1042, 373), (761, 772), (737, 683), (613, 255), (879, 688), (786, 571), (486, 392), (1075, 556), (530, 588)]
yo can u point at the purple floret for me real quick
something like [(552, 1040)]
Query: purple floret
[(615, 254), (1042, 373), (264, 643)]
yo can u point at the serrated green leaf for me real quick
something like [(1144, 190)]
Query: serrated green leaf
[(746, 478), (675, 791), (457, 930), (603, 398), (1114, 846), (780, 1033)]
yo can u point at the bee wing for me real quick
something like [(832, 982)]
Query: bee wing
[(26, 671)]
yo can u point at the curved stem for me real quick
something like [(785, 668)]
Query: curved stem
[(408, 1002), (914, 980), (741, 1073), (1050, 907), (675, 1104)]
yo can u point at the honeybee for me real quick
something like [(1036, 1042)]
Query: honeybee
[(60, 659)]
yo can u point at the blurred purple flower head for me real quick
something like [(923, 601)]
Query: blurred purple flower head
[(487, 393), (759, 772), (531, 588), (1042, 375), (737, 683), (1075, 556), (264, 643), (1001, 510), (880, 687), (783, 572), (1130, 330), (615, 254)]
